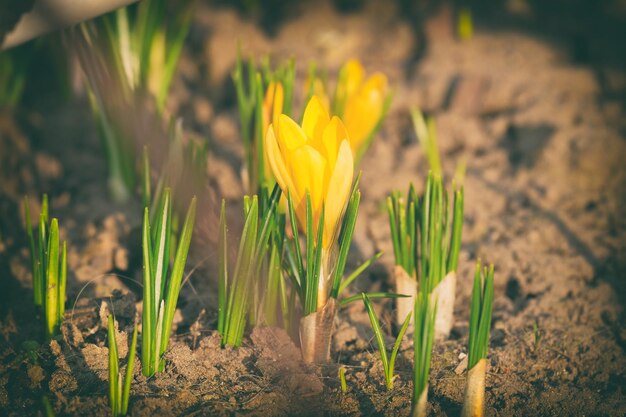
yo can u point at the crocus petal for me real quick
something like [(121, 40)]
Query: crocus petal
[(334, 133), (364, 110), (314, 120), (308, 166), (354, 73), (290, 135), (338, 192), (279, 100), (277, 162), (267, 105)]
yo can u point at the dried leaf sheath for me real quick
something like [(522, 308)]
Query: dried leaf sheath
[(474, 401)]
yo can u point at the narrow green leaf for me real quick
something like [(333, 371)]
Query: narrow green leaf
[(162, 241), (296, 239), (146, 183), (113, 369), (52, 280), (457, 230), (239, 291), (357, 272), (396, 348), (148, 319), (222, 284), (378, 332), (130, 366), (310, 304), (178, 269), (62, 285), (371, 295)]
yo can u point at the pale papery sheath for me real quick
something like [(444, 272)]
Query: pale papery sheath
[(407, 285), (421, 408), (444, 295), (316, 331), (474, 402)]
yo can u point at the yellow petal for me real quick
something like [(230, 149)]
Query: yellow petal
[(267, 105), (308, 167), (279, 99), (377, 82), (334, 133), (364, 110), (354, 73), (338, 192), (277, 162), (314, 121), (290, 135)]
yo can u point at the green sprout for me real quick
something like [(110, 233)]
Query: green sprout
[(234, 293), (49, 268), (388, 362), (426, 236), (269, 291), (478, 344), (13, 66), (403, 225), (139, 49), (440, 239), (423, 336), (426, 133), (342, 380), (119, 385), (480, 316), (47, 407), (160, 294)]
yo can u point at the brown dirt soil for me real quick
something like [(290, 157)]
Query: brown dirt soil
[(539, 120)]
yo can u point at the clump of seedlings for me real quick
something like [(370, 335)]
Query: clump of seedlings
[(119, 383), (423, 335), (389, 362), (234, 292), (426, 235), (478, 345), (160, 289), (49, 268), (129, 54), (13, 65)]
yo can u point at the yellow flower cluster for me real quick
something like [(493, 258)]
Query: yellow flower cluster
[(314, 158), (360, 102)]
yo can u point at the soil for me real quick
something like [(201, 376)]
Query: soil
[(533, 104)]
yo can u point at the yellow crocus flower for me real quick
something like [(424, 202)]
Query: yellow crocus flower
[(360, 102), (315, 158), (272, 103), (272, 108)]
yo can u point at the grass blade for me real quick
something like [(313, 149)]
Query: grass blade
[(130, 366), (178, 269), (62, 285), (357, 272), (396, 348), (52, 280), (378, 332), (148, 320), (113, 369), (222, 284), (371, 295)]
